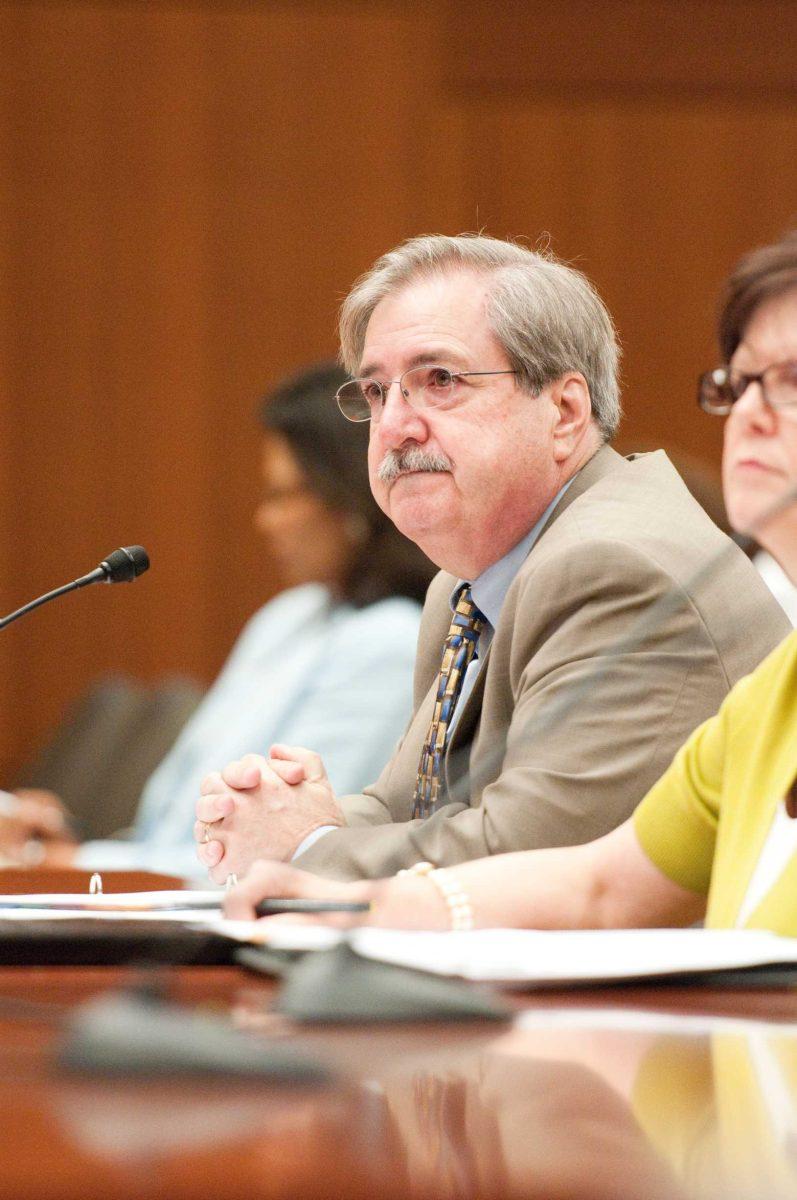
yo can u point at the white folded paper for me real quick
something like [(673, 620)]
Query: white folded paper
[(574, 956)]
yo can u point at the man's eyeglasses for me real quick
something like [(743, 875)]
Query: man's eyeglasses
[(421, 387), (718, 390)]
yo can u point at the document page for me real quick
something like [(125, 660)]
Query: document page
[(574, 956)]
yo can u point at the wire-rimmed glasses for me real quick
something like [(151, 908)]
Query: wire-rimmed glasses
[(427, 386), (718, 390)]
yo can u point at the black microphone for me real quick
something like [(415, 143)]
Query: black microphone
[(123, 566)]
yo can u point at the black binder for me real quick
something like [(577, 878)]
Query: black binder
[(85, 943)]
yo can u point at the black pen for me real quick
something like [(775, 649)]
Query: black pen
[(268, 908)]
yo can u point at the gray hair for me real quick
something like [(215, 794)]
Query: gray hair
[(547, 316)]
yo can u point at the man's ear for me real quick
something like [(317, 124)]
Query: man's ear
[(572, 399)]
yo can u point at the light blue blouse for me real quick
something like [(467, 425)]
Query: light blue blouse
[(303, 671)]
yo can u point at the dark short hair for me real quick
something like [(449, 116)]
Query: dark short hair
[(763, 273), (333, 454)]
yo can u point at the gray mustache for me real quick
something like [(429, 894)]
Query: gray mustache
[(400, 462)]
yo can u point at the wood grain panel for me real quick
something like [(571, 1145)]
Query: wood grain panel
[(654, 201), (317, 181), (622, 47), (192, 189), (106, 270), (7, 405)]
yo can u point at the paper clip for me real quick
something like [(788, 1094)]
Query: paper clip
[(95, 884)]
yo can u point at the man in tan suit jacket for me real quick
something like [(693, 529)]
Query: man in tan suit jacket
[(616, 614)]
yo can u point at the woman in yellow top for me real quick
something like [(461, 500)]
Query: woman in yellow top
[(716, 837)]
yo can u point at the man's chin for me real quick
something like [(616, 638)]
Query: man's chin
[(415, 511)]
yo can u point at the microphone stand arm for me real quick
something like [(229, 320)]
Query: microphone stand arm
[(93, 577)]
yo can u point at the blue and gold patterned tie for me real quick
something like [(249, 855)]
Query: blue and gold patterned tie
[(458, 650)]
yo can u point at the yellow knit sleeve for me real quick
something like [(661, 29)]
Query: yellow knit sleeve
[(676, 823)]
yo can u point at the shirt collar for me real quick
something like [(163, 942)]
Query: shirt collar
[(490, 588)]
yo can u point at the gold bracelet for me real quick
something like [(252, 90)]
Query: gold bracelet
[(460, 909)]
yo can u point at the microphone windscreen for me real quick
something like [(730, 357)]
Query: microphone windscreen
[(125, 564)]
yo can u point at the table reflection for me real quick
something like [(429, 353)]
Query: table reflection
[(604, 1103), (722, 1107), (566, 1102)]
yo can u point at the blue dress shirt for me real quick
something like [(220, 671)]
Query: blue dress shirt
[(489, 592)]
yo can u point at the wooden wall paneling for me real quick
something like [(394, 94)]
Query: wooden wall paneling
[(108, 251), (651, 200), (629, 46), (460, 168), (157, 331), (51, 438), (7, 682), (317, 126), (193, 190), (655, 141)]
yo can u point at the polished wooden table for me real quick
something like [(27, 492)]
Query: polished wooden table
[(632, 1092)]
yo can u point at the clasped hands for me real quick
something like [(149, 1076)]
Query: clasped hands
[(260, 807), (264, 808)]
